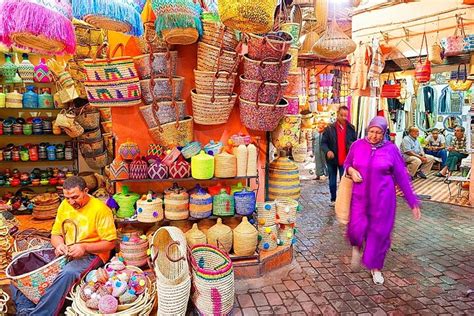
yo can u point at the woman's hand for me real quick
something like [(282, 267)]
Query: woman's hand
[(416, 213), (355, 175)]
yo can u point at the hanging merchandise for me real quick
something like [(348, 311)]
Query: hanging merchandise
[(177, 21), (208, 55), (455, 45), (266, 91), (222, 83), (435, 54), (220, 236), (97, 161), (113, 15), (283, 178), (163, 89), (112, 81), (200, 204), (150, 41), (334, 43), (273, 45), (176, 203), (391, 89), (129, 151), (267, 70), (163, 112), (173, 134), (458, 84), (217, 34), (88, 37), (287, 134), (212, 109), (41, 26), (202, 166), (262, 116), (156, 64), (423, 70), (149, 209), (248, 16)]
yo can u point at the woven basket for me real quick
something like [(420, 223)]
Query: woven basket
[(222, 83), (156, 64), (248, 16), (267, 69), (92, 147), (191, 149), (286, 210), (195, 237), (31, 238), (270, 45), (266, 213), (74, 131), (245, 202), (262, 116), (223, 204), (219, 35), (211, 58), (213, 280), (220, 236), (172, 134), (200, 204), (286, 234), (162, 90), (119, 170), (89, 135), (150, 37), (268, 237), (225, 165), (134, 253), (245, 238), (97, 161), (181, 36), (212, 111), (113, 81), (45, 212), (300, 151), (176, 204), (266, 92), (90, 179), (168, 252), (88, 118), (150, 210)]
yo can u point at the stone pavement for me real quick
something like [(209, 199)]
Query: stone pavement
[(428, 270)]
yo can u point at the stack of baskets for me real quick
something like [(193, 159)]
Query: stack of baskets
[(170, 263), (46, 206), (264, 82), (134, 250), (286, 213), (213, 98), (5, 245), (267, 227)]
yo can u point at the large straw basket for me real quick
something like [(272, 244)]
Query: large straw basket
[(150, 210), (286, 210), (245, 238), (194, 236), (268, 237), (88, 118), (134, 253), (92, 147), (248, 16), (170, 264), (266, 92), (212, 110), (164, 111), (181, 36), (219, 35), (162, 89), (211, 58), (31, 238), (283, 179), (112, 81), (173, 134), (222, 82), (213, 280), (266, 213), (156, 64), (262, 116), (225, 165), (97, 161), (220, 235)]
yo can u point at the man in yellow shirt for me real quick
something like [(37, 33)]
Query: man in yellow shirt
[(87, 247)]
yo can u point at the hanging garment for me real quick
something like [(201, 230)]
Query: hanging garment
[(377, 65), (360, 61)]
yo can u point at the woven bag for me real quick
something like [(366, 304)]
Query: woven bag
[(248, 16), (208, 55), (97, 161), (112, 81), (267, 92), (219, 35), (222, 82), (88, 118), (262, 116), (174, 133), (178, 21), (455, 44), (94, 134), (212, 109), (343, 200), (74, 131), (286, 209), (162, 88), (270, 45), (164, 112), (92, 147), (156, 64), (423, 69)]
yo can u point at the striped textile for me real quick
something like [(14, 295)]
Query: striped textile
[(438, 190)]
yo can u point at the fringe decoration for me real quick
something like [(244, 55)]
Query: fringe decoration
[(28, 17), (177, 14), (120, 10)]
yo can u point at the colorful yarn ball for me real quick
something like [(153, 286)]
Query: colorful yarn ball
[(119, 288), (91, 276), (93, 303), (108, 304), (127, 298)]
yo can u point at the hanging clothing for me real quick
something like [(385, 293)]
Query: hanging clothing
[(377, 65), (373, 204), (319, 158), (360, 61)]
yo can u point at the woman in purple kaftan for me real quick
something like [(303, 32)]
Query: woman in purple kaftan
[(375, 166)]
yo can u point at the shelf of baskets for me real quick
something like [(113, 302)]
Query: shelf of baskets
[(55, 162), (35, 135), (29, 186), (182, 180)]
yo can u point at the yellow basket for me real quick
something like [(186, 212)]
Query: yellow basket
[(248, 16)]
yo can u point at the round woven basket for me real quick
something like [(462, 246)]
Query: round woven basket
[(220, 236), (245, 238), (177, 207), (163, 89), (219, 35), (38, 42), (150, 210), (211, 58), (222, 83), (266, 213), (268, 237), (286, 234), (92, 147), (212, 111), (195, 237), (107, 23), (135, 253), (286, 210), (225, 165), (180, 36)]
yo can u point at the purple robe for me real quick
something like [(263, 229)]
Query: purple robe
[(374, 199)]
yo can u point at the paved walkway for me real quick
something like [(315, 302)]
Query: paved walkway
[(427, 272)]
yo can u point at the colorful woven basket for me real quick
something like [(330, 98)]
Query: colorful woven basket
[(112, 81), (134, 251), (129, 151), (262, 116), (217, 34), (267, 237), (213, 279), (286, 234), (191, 149), (119, 170), (176, 203), (283, 179), (223, 204), (212, 109), (266, 213), (138, 169), (158, 170), (200, 204), (173, 134), (248, 16), (202, 166), (150, 209), (156, 64), (245, 202), (286, 210), (180, 169), (39, 25), (114, 15), (163, 112), (213, 148)]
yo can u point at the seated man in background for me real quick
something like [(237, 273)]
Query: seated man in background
[(87, 248), (418, 163), (436, 146), (457, 152)]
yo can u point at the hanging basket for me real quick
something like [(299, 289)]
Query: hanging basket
[(97, 161), (88, 118), (163, 89), (262, 116), (248, 16), (156, 64), (270, 45), (268, 69), (219, 35), (334, 44), (211, 58), (165, 112), (212, 110), (267, 91), (174, 133), (222, 82), (41, 26)]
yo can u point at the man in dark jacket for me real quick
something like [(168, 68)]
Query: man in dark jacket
[(335, 143)]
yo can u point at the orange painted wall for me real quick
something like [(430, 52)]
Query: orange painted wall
[(128, 123)]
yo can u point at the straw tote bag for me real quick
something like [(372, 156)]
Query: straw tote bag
[(343, 200)]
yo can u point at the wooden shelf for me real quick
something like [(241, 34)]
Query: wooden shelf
[(29, 110), (29, 186), (181, 180), (35, 135), (38, 162), (191, 219)]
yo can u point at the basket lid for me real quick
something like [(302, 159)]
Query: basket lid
[(283, 163)]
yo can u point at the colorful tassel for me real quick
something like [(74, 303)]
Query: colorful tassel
[(51, 19), (176, 14), (120, 10)]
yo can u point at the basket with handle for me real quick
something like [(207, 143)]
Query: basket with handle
[(217, 34), (221, 85), (213, 280), (112, 81), (31, 238), (88, 118), (208, 54), (33, 271)]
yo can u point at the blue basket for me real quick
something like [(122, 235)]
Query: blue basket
[(245, 202)]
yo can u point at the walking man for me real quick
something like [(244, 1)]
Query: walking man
[(335, 143)]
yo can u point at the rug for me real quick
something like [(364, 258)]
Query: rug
[(438, 190)]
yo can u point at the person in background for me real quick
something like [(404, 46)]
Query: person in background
[(335, 143), (376, 167), (457, 152), (95, 238), (436, 146), (319, 159), (418, 163)]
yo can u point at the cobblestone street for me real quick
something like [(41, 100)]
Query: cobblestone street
[(428, 270)]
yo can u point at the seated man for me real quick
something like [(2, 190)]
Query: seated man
[(436, 146), (457, 152), (96, 235), (418, 163)]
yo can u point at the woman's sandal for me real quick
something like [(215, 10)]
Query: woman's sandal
[(377, 277)]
